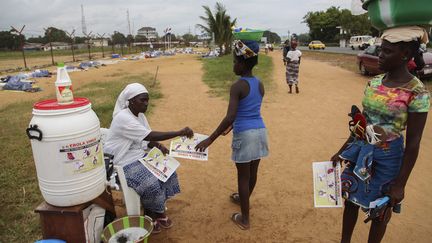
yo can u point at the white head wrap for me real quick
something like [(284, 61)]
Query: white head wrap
[(405, 34), (128, 93)]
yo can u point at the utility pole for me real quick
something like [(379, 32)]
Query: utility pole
[(48, 31), (130, 34), (83, 23), (112, 45), (72, 37), (22, 42), (102, 41)]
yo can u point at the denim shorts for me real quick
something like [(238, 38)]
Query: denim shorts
[(249, 145)]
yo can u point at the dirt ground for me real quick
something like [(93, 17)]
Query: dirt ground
[(303, 128)]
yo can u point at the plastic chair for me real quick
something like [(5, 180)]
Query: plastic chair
[(130, 197)]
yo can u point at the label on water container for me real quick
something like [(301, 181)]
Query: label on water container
[(65, 94), (82, 156)]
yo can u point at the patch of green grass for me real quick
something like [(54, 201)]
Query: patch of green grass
[(119, 74), (219, 75), (345, 61), (20, 194)]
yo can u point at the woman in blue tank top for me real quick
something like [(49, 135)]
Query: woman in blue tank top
[(249, 143)]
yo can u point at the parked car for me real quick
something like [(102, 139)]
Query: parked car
[(368, 62), (316, 44), (360, 42)]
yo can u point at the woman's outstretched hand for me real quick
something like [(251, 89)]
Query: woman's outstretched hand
[(203, 144), (187, 132)]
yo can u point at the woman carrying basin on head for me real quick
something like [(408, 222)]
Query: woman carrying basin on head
[(379, 164), (249, 142)]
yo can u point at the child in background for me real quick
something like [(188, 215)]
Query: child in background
[(249, 143), (292, 68)]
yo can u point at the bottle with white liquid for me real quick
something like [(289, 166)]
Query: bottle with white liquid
[(63, 86)]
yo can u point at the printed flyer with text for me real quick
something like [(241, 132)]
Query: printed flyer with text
[(327, 185), (159, 165), (183, 147)]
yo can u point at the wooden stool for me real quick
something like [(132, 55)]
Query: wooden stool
[(67, 223)]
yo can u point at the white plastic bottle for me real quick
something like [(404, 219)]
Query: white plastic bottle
[(63, 86)]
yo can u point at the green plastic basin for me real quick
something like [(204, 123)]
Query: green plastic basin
[(252, 35), (386, 14)]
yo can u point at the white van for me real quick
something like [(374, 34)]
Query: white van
[(361, 42)]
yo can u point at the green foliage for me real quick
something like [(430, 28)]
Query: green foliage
[(140, 38), (272, 37), (218, 74), (189, 38), (218, 25), (55, 35), (118, 38), (322, 24), (130, 39), (10, 41), (38, 39), (304, 38), (20, 193)]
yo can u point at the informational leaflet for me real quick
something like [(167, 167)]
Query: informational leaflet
[(183, 147), (159, 165), (327, 184)]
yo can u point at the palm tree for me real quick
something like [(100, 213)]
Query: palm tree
[(218, 26)]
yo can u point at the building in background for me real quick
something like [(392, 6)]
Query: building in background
[(57, 46), (99, 42), (148, 32)]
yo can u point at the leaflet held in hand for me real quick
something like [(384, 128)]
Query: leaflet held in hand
[(159, 165), (327, 184), (183, 147)]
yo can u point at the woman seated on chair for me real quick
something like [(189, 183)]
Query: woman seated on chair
[(129, 138)]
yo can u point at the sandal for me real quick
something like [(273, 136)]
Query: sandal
[(165, 223), (236, 218), (156, 228), (235, 198)]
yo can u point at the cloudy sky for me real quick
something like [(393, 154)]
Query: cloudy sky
[(106, 16)]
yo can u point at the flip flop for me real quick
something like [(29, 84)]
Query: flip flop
[(236, 218), (235, 198), (165, 223), (156, 228)]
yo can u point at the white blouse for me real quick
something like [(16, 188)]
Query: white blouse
[(126, 135)]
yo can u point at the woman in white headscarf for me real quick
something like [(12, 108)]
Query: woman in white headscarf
[(129, 138)]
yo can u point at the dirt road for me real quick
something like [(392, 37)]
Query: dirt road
[(304, 127)]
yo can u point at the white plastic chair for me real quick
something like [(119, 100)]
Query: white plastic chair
[(130, 197)]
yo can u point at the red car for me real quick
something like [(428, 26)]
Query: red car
[(368, 62)]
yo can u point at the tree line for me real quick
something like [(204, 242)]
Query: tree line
[(11, 41), (323, 24), (217, 25)]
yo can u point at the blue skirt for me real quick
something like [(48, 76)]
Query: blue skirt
[(152, 191), (249, 145), (370, 171)]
